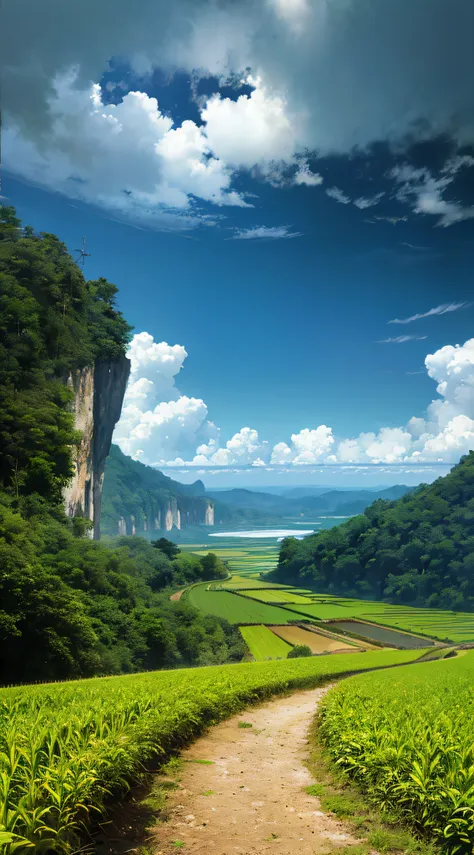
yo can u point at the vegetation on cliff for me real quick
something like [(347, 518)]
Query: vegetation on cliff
[(70, 606), (140, 495), (418, 550)]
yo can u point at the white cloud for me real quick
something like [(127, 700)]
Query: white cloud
[(164, 428), (127, 157), (301, 53), (448, 430), (304, 175), (157, 422), (337, 194), (368, 202), (425, 192), (401, 339), (307, 446), (252, 131), (265, 233), (443, 309)]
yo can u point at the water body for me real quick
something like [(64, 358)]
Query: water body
[(271, 533), (379, 633)]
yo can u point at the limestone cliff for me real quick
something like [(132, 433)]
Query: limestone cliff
[(140, 500), (98, 396)]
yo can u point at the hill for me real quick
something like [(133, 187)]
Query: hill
[(297, 503), (138, 499), (418, 550), (70, 606)]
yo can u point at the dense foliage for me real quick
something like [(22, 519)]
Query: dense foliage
[(418, 550), (133, 491), (51, 321), (68, 606), (408, 738), (68, 746), (140, 495)]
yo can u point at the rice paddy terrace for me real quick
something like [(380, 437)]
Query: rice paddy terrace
[(273, 617)]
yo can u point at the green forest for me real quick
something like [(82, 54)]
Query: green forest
[(418, 550), (71, 607)]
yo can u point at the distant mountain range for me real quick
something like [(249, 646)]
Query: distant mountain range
[(139, 499), (297, 503)]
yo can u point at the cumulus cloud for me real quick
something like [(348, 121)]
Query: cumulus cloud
[(127, 157), (443, 309), (337, 194), (162, 427), (300, 53), (253, 131), (307, 446), (157, 422), (265, 233), (304, 175)]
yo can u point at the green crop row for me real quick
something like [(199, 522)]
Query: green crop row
[(409, 741), (66, 748)]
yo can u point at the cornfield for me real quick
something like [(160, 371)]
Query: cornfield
[(408, 738), (67, 749)]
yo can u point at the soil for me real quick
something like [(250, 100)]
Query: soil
[(251, 798), (176, 596)]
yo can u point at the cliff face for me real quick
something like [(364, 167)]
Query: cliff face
[(98, 396), (138, 499)]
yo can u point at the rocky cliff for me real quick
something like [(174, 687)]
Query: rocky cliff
[(98, 396), (138, 499)]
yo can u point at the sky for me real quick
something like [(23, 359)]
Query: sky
[(284, 194)]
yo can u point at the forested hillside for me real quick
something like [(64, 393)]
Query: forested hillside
[(141, 499), (418, 550), (70, 606)]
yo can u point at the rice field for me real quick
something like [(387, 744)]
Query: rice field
[(270, 595), (316, 642), (242, 582), (232, 607), (264, 644), (382, 634)]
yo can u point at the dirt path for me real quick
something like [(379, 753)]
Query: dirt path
[(177, 595), (251, 798)]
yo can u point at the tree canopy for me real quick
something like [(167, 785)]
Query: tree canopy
[(418, 550), (69, 606)]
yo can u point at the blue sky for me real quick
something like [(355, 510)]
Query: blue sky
[(272, 238)]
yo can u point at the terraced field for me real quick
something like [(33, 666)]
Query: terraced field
[(317, 643), (264, 644), (235, 609), (247, 561), (381, 634), (277, 596)]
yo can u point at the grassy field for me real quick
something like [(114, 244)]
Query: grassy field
[(237, 581), (270, 595), (456, 627), (264, 644), (233, 608), (316, 643), (408, 739), (67, 746)]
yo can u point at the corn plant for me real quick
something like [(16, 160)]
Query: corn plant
[(67, 749), (408, 738)]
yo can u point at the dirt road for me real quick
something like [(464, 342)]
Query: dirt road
[(251, 798)]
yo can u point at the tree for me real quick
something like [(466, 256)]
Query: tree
[(298, 651), (167, 546)]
